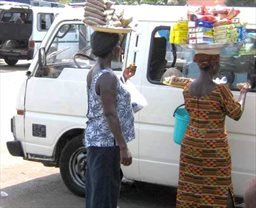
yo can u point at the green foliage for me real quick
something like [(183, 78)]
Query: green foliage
[(65, 1), (243, 3), (132, 2), (169, 2)]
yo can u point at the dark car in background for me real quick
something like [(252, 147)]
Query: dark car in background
[(23, 28)]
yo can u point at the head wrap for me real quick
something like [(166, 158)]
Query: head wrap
[(206, 61), (103, 43)]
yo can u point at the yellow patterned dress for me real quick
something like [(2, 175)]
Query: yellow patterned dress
[(205, 161)]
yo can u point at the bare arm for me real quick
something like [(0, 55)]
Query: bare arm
[(243, 91), (106, 87)]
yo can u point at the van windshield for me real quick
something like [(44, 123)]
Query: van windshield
[(70, 48)]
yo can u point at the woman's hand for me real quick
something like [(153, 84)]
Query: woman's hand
[(244, 87), (125, 157), (129, 71)]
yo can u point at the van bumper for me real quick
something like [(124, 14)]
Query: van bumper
[(17, 54), (15, 148)]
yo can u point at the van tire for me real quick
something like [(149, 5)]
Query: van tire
[(11, 62), (73, 164)]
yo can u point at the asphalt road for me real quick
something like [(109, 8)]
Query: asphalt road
[(31, 185)]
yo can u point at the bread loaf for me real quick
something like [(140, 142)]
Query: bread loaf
[(95, 15), (94, 20), (88, 4), (98, 12), (98, 3)]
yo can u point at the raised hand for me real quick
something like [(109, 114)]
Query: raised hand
[(129, 71)]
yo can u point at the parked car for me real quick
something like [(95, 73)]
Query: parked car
[(23, 28)]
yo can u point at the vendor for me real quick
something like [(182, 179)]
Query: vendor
[(205, 173)]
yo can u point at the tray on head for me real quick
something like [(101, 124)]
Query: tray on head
[(109, 29), (213, 48)]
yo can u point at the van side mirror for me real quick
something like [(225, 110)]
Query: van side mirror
[(42, 57)]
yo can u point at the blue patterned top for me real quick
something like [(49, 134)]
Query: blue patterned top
[(97, 132)]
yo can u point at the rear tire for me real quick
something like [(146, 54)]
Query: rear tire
[(73, 164), (11, 62)]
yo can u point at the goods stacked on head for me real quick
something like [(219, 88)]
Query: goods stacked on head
[(179, 32), (209, 26), (101, 13)]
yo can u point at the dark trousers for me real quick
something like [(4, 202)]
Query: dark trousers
[(102, 177)]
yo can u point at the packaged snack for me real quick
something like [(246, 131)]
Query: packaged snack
[(211, 26), (203, 23), (179, 32)]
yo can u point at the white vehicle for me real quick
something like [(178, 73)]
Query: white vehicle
[(23, 28), (52, 104)]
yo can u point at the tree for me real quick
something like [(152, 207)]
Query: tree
[(131, 2), (65, 1), (244, 3), (169, 2)]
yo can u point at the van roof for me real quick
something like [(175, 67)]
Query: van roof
[(148, 13), (47, 9)]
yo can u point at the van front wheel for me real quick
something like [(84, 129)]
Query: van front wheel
[(72, 165), (11, 62)]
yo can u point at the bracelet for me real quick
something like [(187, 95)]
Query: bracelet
[(122, 79)]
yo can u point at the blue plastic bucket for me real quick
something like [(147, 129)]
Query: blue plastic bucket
[(181, 123)]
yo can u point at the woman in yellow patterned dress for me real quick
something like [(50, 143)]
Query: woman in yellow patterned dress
[(205, 160)]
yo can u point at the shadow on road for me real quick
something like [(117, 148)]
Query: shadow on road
[(147, 195), (50, 192), (20, 66), (11, 70), (44, 192)]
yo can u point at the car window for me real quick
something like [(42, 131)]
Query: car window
[(44, 21), (237, 64), (15, 17)]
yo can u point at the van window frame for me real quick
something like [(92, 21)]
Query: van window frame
[(162, 27)]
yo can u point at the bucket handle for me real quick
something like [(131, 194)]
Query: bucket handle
[(177, 109)]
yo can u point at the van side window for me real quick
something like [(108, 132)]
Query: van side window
[(44, 21), (237, 64)]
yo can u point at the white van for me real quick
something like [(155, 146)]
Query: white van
[(23, 28), (52, 104)]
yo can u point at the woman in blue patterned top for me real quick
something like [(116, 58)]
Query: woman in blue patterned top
[(110, 124)]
